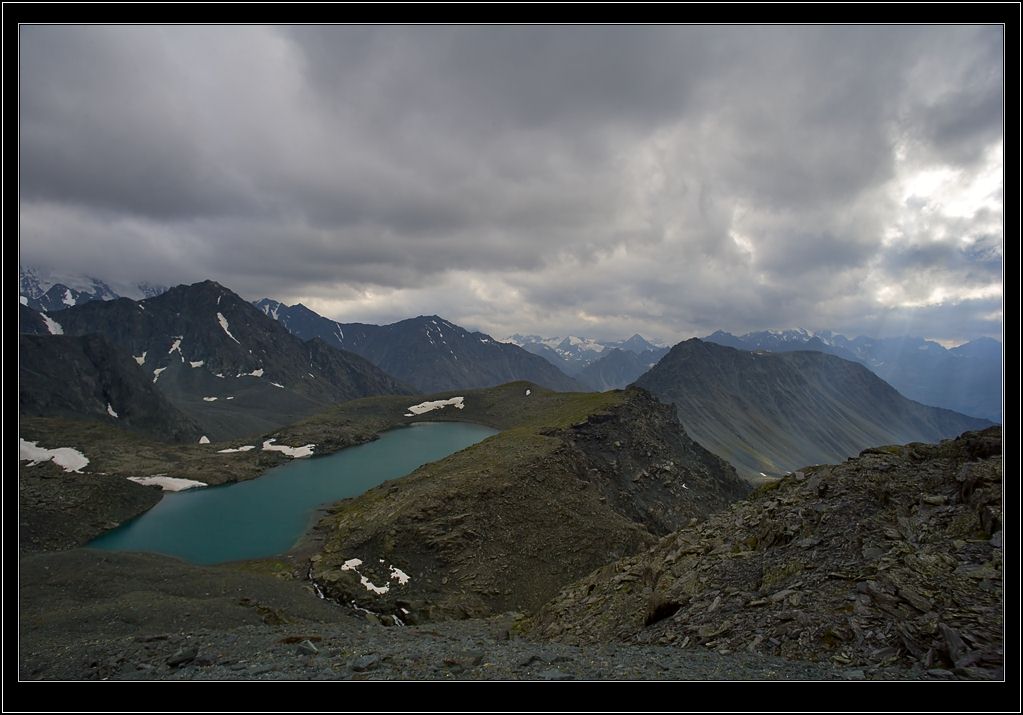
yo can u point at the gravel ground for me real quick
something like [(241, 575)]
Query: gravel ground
[(452, 651), (89, 615)]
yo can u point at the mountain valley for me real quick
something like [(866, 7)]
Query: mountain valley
[(591, 520)]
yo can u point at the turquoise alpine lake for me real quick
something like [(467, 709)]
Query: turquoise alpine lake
[(266, 516)]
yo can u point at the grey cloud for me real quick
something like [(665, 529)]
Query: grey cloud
[(596, 177)]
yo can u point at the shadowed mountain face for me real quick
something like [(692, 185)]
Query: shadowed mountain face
[(32, 322), (222, 362), (618, 368), (775, 412), (427, 352), (966, 379), (86, 377)]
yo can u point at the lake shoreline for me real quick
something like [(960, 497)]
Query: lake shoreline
[(269, 515)]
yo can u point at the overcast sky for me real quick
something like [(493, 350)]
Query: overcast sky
[(597, 181)]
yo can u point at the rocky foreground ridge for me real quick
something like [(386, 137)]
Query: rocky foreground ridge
[(890, 558)]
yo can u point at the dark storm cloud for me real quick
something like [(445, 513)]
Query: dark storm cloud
[(524, 179)]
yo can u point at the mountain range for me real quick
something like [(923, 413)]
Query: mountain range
[(573, 354), (219, 360), (967, 378), (771, 413), (231, 367), (427, 352), (45, 291)]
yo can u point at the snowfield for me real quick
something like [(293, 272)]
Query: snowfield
[(71, 460), (297, 452), (424, 407), (168, 484)]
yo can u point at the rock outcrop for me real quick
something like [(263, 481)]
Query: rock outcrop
[(891, 558)]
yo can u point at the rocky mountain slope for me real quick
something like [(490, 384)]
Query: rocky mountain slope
[(503, 524), (223, 362), (427, 352), (775, 412), (32, 322), (967, 378), (894, 557), (618, 368), (86, 377)]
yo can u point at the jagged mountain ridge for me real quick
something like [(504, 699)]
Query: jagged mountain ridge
[(775, 412), (223, 362), (427, 352), (967, 378), (86, 377), (573, 354), (47, 292)]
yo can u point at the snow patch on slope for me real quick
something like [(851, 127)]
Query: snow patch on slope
[(429, 406), (297, 452), (223, 324), (110, 411), (352, 565), (168, 484), (52, 325), (176, 345), (71, 460)]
